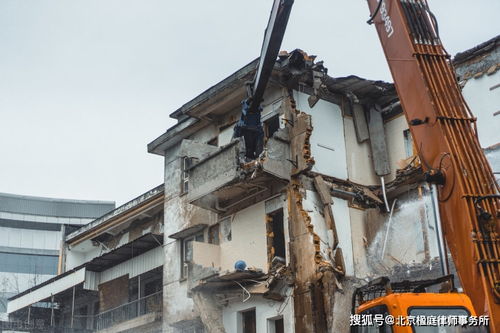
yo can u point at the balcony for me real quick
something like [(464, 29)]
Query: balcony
[(223, 183), (138, 313)]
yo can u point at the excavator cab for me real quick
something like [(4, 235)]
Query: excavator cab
[(425, 306)]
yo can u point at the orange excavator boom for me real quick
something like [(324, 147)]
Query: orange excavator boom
[(445, 135)]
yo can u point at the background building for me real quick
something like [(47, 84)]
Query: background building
[(110, 279), (31, 231)]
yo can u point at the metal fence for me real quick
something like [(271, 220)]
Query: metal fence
[(148, 304)]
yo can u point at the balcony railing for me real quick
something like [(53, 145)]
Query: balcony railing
[(148, 304)]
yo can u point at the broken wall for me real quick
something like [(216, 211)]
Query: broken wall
[(395, 243), (359, 154), (314, 207), (327, 139), (394, 132)]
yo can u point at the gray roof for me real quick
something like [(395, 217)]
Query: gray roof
[(118, 211), (485, 47), (479, 60), (23, 204)]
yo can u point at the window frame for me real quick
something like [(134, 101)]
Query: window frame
[(184, 261), (417, 307), (408, 143), (186, 163)]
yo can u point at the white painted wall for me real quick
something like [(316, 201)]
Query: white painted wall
[(494, 159), (328, 132), (80, 255), (395, 141), (313, 206), (206, 255), (342, 218), (359, 159), (358, 229), (225, 136), (264, 309), (483, 103), (249, 243)]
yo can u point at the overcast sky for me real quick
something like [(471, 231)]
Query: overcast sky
[(86, 85)]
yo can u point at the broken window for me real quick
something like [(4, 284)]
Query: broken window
[(271, 125), (248, 321), (213, 234), (225, 229), (276, 235), (276, 325), (187, 162), (408, 143), (187, 251)]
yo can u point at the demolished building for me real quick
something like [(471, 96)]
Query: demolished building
[(307, 216), (274, 243)]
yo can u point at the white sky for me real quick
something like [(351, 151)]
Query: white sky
[(86, 84)]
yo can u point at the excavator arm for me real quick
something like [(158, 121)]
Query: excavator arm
[(445, 135), (250, 126)]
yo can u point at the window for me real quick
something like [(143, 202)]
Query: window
[(187, 251), (248, 321), (213, 234), (276, 325), (225, 229), (408, 143), (28, 263), (187, 162), (271, 125), (276, 243)]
